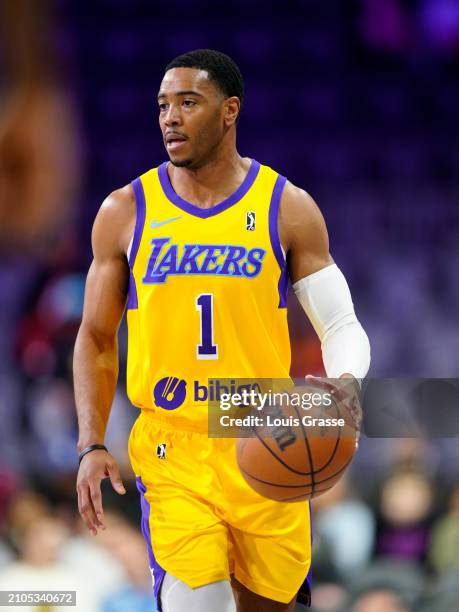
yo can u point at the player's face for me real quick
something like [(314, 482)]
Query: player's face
[(191, 116)]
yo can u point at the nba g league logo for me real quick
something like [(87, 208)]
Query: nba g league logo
[(250, 221)]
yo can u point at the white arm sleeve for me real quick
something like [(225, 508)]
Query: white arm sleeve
[(326, 299)]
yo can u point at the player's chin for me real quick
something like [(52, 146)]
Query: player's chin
[(181, 163)]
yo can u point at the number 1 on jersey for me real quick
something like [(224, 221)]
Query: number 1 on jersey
[(206, 349)]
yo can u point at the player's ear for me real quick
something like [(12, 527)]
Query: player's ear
[(231, 110)]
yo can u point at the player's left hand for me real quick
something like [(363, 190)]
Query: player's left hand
[(346, 390), (94, 467)]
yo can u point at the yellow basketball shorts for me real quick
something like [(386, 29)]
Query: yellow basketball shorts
[(203, 522)]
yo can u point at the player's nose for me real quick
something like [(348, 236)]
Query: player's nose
[(173, 115)]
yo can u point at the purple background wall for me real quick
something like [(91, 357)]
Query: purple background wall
[(357, 102)]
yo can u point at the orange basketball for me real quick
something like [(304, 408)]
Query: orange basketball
[(294, 454)]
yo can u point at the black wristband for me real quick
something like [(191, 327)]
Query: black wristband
[(89, 449)]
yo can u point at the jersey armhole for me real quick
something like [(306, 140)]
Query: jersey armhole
[(133, 247), (278, 251), (140, 207)]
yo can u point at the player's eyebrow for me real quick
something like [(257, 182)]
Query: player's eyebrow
[(186, 92)]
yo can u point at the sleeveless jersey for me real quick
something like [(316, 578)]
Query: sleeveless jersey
[(207, 294)]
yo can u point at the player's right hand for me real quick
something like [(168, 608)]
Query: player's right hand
[(94, 467), (346, 390)]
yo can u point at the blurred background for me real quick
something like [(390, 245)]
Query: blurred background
[(358, 103)]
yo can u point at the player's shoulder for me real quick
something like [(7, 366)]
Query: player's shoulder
[(119, 203), (296, 198), (296, 204), (299, 216), (293, 198), (115, 221)]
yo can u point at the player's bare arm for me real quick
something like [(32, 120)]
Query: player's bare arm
[(302, 233), (323, 291), (95, 362)]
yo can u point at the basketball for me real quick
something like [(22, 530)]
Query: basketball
[(294, 454)]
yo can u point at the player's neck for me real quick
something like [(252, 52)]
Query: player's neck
[(211, 183)]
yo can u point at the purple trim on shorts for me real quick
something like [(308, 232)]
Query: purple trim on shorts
[(275, 241), (214, 210), (309, 576), (304, 594), (157, 571), (139, 223)]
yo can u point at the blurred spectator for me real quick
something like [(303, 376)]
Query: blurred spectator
[(442, 595), (39, 141), (126, 544), (26, 507), (347, 525), (39, 568), (380, 600), (444, 546), (8, 487), (327, 597), (386, 587), (404, 529), (52, 401), (89, 557)]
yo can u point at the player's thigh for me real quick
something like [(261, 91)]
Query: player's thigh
[(271, 549), (248, 601), (186, 537)]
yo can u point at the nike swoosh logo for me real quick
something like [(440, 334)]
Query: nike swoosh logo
[(155, 224)]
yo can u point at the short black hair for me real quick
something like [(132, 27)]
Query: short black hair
[(220, 67)]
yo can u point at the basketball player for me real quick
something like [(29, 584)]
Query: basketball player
[(199, 252)]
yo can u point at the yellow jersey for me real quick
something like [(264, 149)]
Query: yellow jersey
[(207, 295)]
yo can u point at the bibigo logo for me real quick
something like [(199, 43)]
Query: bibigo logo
[(170, 392)]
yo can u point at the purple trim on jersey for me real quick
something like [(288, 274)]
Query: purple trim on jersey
[(158, 571), (139, 223), (192, 209), (140, 219), (275, 241), (132, 295)]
